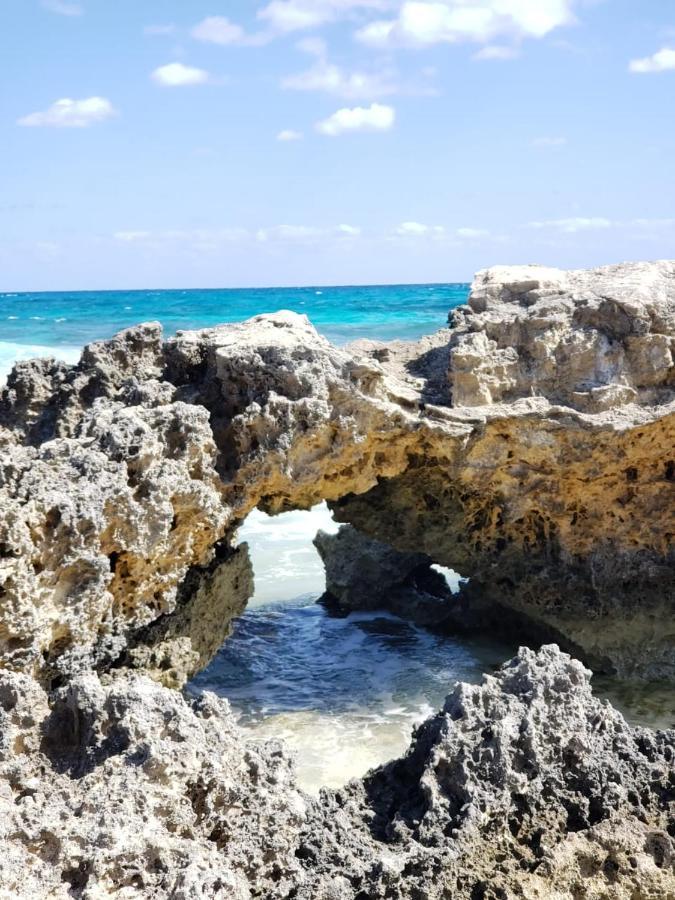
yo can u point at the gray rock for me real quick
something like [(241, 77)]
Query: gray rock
[(365, 574), (524, 786)]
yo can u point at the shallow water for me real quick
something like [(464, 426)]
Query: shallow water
[(345, 693)]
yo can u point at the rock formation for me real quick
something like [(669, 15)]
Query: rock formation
[(530, 447), (362, 573), (525, 786)]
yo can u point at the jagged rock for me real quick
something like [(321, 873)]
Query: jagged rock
[(122, 478), (125, 789), (591, 340), (525, 786), (362, 573)]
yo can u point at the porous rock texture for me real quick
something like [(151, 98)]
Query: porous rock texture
[(125, 789), (525, 786), (529, 446)]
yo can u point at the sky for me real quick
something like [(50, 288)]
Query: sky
[(164, 143)]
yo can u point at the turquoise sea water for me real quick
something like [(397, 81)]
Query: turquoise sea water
[(68, 320)]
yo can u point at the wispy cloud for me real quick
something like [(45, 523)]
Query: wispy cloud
[(496, 52), (67, 113), (62, 8), (573, 224), (218, 30), (129, 237), (471, 233), (179, 75), (418, 229), (296, 15), (332, 79), (288, 135), (212, 238), (437, 232), (661, 61), (376, 117)]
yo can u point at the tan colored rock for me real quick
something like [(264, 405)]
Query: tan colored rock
[(553, 491), (566, 335)]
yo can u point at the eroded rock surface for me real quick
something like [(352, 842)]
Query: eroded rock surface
[(123, 478), (124, 789), (362, 573), (525, 786)]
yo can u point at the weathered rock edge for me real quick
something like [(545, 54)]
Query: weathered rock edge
[(530, 446), (525, 786)]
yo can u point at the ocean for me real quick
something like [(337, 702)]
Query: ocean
[(59, 323), (345, 693)]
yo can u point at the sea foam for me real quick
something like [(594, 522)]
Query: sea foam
[(11, 353)]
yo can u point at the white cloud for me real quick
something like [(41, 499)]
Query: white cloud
[(421, 23), (653, 223), (288, 135), (574, 224), (375, 117), (545, 142), (418, 229), (661, 61), (315, 46), (62, 8), (177, 74), (349, 230), (129, 237), (218, 30), (495, 52), (295, 15), (202, 238), (159, 30), (67, 113), (288, 233), (327, 77)]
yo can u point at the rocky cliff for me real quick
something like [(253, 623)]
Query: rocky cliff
[(529, 447)]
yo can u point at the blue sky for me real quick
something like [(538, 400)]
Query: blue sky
[(159, 143)]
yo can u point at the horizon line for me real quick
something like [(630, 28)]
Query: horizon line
[(275, 287)]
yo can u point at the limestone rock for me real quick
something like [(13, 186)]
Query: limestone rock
[(125, 789), (524, 786), (362, 573), (123, 479), (592, 340)]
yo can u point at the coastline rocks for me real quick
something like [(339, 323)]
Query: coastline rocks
[(123, 479), (365, 574), (123, 788), (524, 786), (591, 340)]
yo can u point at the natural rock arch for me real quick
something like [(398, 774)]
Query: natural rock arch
[(529, 445)]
